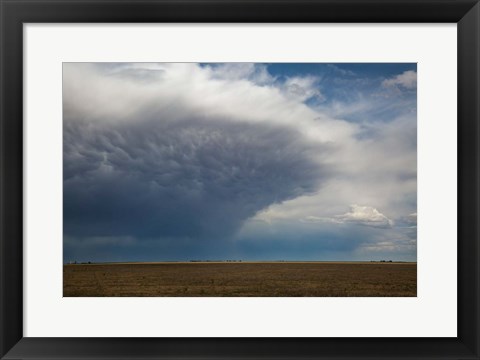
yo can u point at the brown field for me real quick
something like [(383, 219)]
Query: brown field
[(241, 279)]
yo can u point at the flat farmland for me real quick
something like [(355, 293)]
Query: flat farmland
[(263, 279)]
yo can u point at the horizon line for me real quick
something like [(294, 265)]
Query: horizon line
[(235, 261)]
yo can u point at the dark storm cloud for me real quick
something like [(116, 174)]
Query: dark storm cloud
[(189, 178)]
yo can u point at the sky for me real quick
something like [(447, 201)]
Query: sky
[(239, 161)]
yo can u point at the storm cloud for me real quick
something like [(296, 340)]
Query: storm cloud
[(152, 177), (170, 171)]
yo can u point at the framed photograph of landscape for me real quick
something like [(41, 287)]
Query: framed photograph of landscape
[(239, 179)]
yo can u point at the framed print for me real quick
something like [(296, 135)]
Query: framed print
[(239, 179)]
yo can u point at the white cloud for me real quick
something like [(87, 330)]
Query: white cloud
[(412, 218), (407, 79), (383, 165), (256, 73), (358, 215), (339, 70), (409, 221), (365, 215), (302, 88)]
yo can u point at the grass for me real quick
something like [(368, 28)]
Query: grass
[(263, 279)]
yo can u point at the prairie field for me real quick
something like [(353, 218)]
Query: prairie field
[(262, 279)]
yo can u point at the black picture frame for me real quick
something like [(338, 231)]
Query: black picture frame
[(14, 13)]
